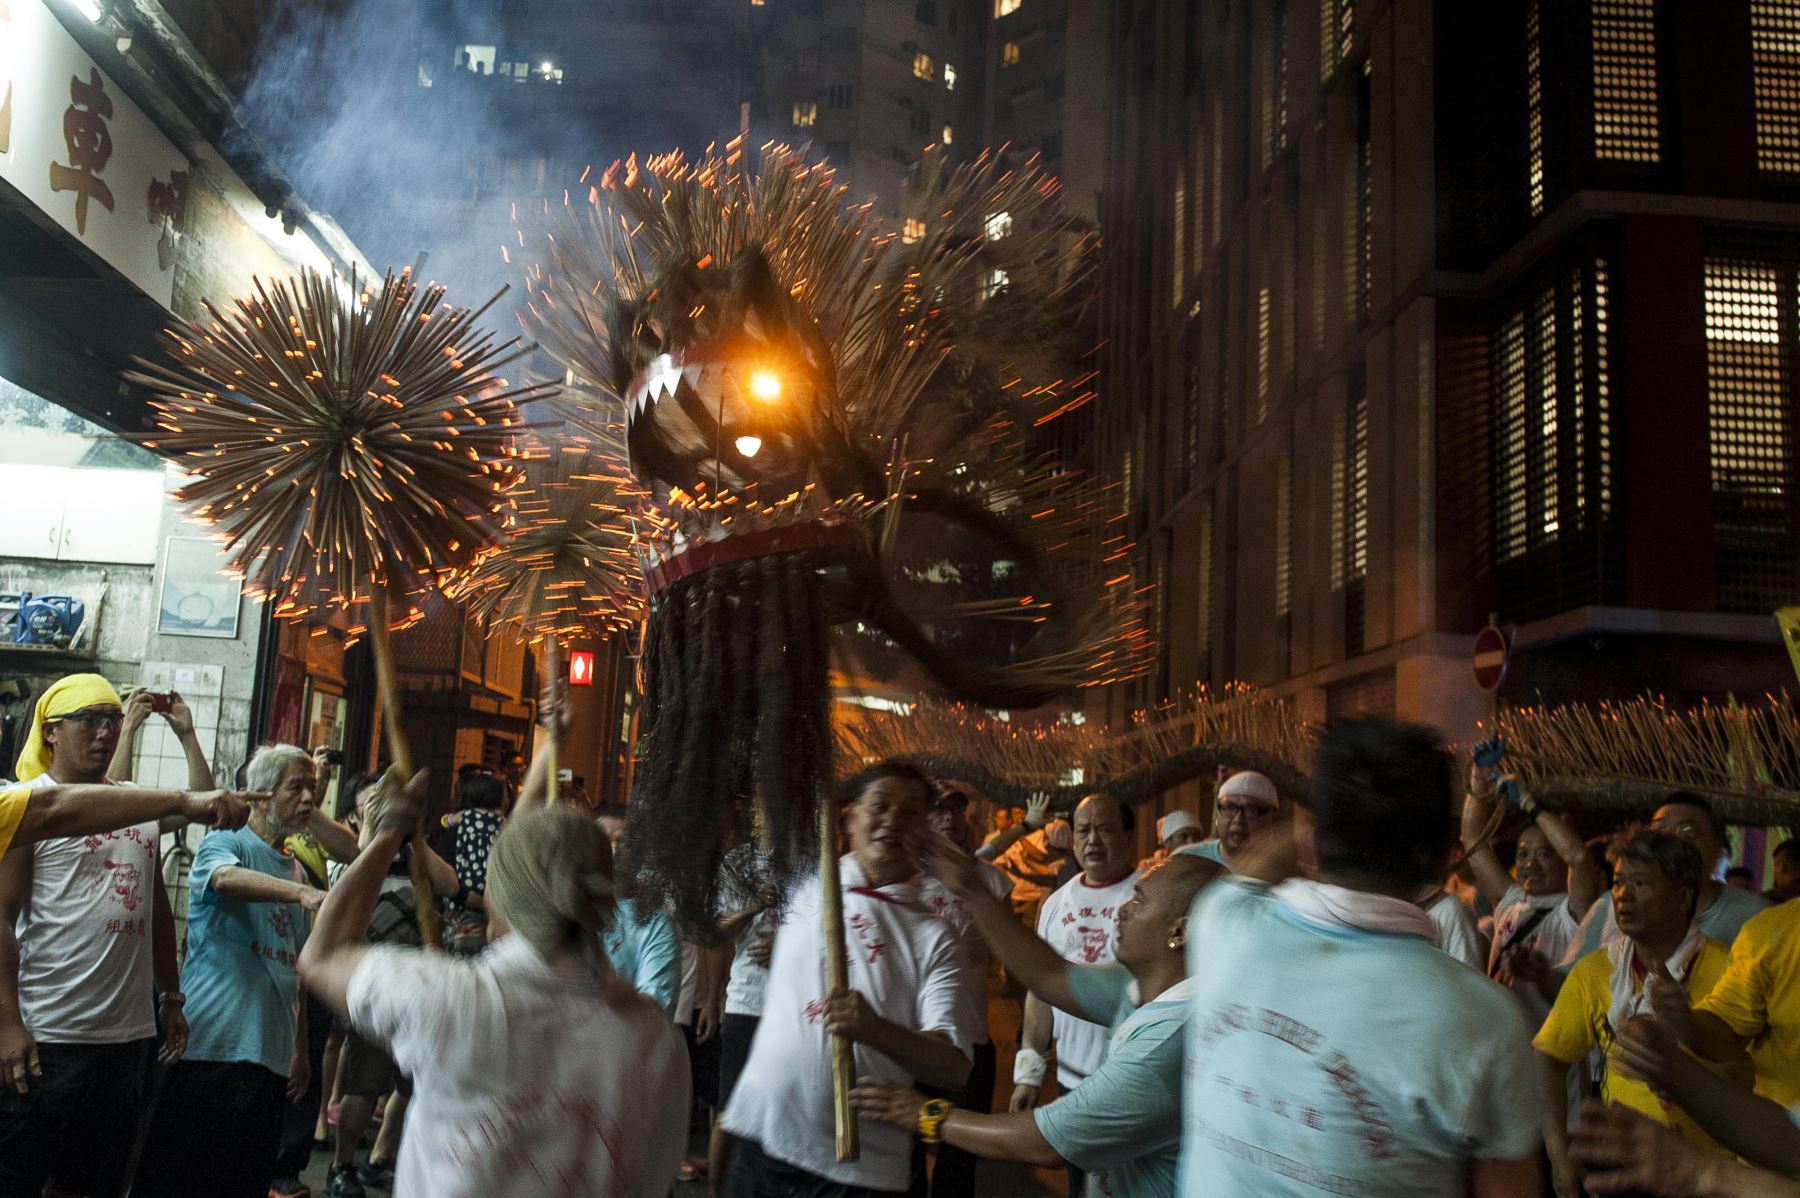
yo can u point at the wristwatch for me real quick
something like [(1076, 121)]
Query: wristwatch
[(173, 996), (932, 1113)]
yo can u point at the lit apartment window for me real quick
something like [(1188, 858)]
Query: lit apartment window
[(1337, 33), (993, 283), (1284, 531), (1004, 8), (923, 67), (1775, 59), (477, 59), (949, 78), (1009, 54), (1357, 559), (806, 114), (1534, 111), (1265, 320), (1552, 443), (1627, 117), (948, 135), (1178, 246), (912, 231), (997, 225), (1750, 307)]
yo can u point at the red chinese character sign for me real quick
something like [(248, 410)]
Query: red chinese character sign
[(87, 143), (77, 148), (581, 668)]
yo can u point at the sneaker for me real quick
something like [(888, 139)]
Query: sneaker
[(345, 1182), (289, 1187), (377, 1174)]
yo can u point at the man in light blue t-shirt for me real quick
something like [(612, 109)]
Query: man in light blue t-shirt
[(1122, 1125), (642, 946), (217, 1126), (1335, 1049), (1247, 811)]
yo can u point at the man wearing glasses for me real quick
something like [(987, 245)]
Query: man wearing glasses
[(1248, 807), (87, 937)]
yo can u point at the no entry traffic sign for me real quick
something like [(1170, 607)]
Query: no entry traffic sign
[(1490, 658)]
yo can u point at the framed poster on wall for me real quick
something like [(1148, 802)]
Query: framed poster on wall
[(196, 597)]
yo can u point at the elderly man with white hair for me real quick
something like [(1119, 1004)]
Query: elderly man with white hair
[(1248, 807), (217, 1126)]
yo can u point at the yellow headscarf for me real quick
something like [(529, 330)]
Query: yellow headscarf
[(68, 694)]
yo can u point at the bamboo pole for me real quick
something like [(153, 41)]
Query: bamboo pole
[(837, 977), (400, 753), (552, 669)]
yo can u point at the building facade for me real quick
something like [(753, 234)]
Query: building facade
[(1456, 310)]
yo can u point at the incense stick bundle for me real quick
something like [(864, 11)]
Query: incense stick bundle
[(346, 445)]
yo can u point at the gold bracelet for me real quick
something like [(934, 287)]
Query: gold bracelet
[(932, 1113)]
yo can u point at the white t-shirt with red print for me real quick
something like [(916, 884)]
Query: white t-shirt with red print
[(977, 961), (86, 973), (531, 1078), (905, 961), (1081, 922)]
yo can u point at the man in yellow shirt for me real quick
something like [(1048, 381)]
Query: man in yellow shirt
[(1756, 1002), (1654, 894)]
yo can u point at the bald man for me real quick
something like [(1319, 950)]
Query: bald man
[(1080, 921)]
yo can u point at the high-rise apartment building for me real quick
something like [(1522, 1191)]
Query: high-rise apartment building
[(1045, 93), (871, 84), (1418, 312)]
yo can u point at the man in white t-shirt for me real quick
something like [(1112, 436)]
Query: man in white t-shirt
[(536, 1071), (1081, 922), (1536, 916), (905, 1009), (954, 1174), (87, 942)]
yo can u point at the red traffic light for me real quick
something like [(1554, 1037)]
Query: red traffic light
[(581, 668)]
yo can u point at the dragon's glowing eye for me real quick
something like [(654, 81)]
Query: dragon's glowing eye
[(765, 385)]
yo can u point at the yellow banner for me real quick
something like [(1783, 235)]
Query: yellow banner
[(1789, 619)]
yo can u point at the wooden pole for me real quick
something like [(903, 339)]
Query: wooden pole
[(552, 668), (400, 753), (837, 977)]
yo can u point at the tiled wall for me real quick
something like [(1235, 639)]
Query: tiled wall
[(159, 760)]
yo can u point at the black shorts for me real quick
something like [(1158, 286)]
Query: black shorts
[(367, 1070), (75, 1125), (216, 1131), (754, 1174), (735, 1035), (703, 1065)]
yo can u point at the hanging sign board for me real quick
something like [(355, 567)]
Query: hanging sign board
[(74, 146)]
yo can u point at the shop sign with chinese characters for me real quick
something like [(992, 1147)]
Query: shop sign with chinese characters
[(75, 146)]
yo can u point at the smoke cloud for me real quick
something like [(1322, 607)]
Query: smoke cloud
[(382, 118)]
